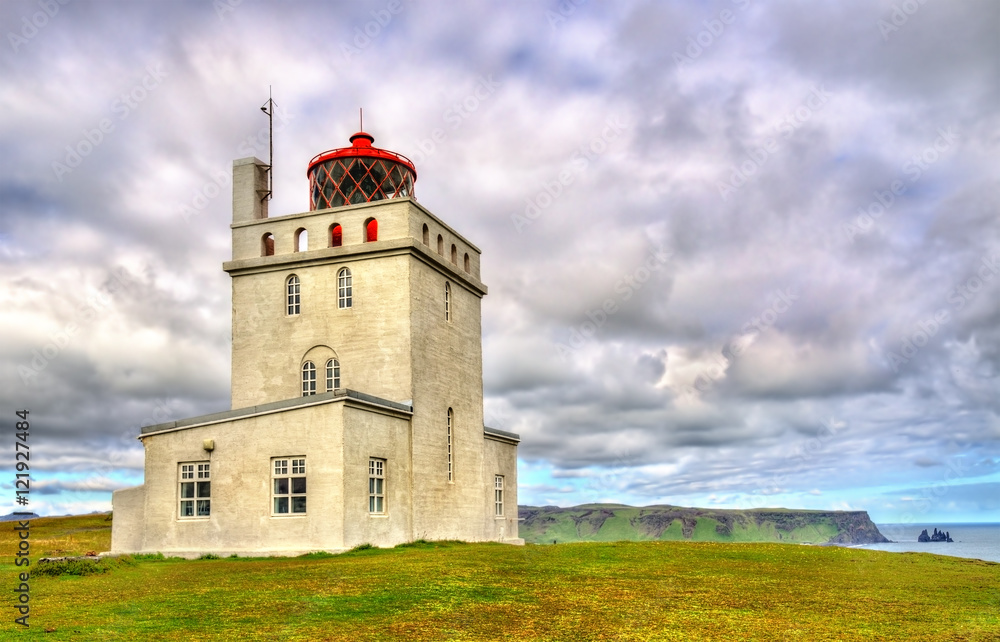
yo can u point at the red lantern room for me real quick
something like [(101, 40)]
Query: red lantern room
[(358, 174)]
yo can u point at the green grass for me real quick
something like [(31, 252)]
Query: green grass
[(456, 591)]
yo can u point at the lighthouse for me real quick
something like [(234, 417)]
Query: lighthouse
[(357, 388)]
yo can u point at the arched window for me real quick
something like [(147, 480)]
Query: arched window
[(293, 294), (267, 245), (467, 263), (454, 254), (345, 289), (308, 378), (371, 230), (336, 235), (440, 245), (301, 239), (332, 375), (427, 235), (447, 301), (451, 467)]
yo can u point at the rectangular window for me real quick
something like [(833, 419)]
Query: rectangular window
[(376, 486), (332, 375), (345, 289), (498, 494), (294, 296), (288, 486), (451, 468), (195, 490)]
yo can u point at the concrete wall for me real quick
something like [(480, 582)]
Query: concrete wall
[(128, 524), (500, 458), (241, 519), (371, 434), (371, 338)]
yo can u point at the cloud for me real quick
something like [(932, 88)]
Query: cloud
[(792, 149)]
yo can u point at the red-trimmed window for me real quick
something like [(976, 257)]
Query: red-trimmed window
[(336, 235), (371, 230)]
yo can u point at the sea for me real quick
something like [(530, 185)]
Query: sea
[(976, 541)]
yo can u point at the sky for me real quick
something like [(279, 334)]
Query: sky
[(739, 254)]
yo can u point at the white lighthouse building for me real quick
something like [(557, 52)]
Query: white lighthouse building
[(357, 386)]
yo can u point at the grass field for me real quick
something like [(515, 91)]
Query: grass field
[(454, 591)]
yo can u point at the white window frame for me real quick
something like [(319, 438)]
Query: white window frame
[(376, 486), (447, 301), (291, 471), (345, 289), (293, 296), (194, 490), (332, 374), (498, 495), (308, 378), (451, 462)]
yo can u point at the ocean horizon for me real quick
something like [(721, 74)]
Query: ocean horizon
[(971, 540)]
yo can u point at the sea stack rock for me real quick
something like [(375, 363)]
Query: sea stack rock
[(938, 536)]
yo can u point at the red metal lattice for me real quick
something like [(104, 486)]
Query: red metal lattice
[(358, 174)]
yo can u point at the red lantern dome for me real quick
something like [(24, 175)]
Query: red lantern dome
[(358, 174)]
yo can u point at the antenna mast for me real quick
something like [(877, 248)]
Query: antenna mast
[(268, 108)]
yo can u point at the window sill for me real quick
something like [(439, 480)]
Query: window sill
[(378, 515)]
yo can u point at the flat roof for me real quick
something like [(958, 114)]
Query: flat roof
[(285, 404)]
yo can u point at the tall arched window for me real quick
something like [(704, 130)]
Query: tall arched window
[(427, 235), (371, 230), (467, 262), (451, 466), (336, 235), (440, 245), (454, 254), (267, 245), (345, 289), (308, 378), (293, 295), (447, 301), (332, 375), (301, 239)]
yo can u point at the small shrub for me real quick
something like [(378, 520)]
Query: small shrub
[(78, 568), (361, 547), (210, 556), (317, 555), (148, 557)]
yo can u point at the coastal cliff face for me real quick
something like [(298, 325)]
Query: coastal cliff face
[(615, 522)]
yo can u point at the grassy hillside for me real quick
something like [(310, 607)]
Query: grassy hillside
[(616, 522), (439, 591)]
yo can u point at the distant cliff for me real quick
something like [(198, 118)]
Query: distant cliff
[(615, 522)]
